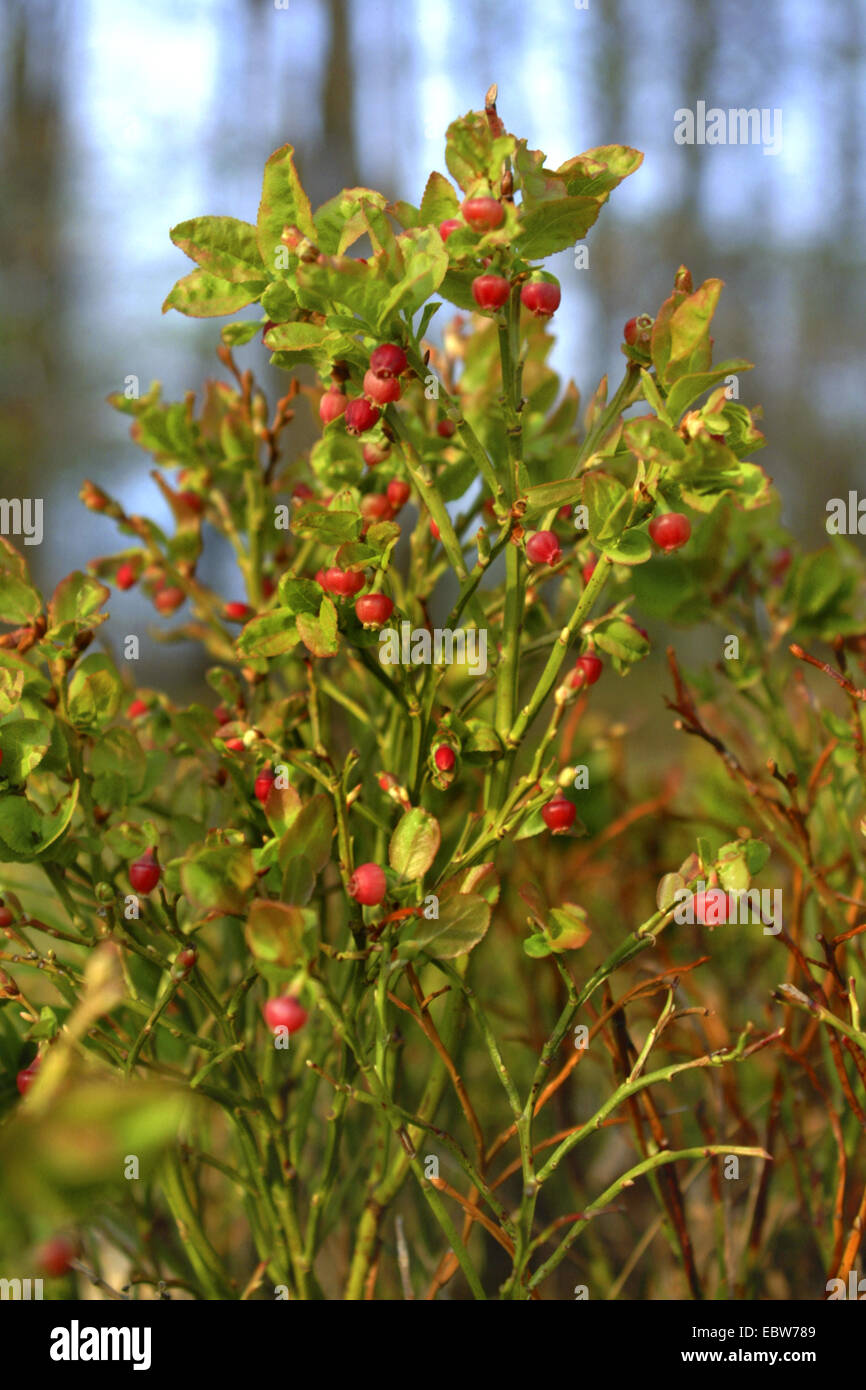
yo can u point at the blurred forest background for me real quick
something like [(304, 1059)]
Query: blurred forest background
[(116, 122)]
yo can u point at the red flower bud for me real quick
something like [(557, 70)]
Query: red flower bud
[(389, 360), (145, 873), (27, 1075), (451, 224), (490, 291), (670, 531), (542, 548), (444, 758), (559, 814), (125, 577), (285, 1012), (374, 609), (331, 407), (398, 493), (263, 784), (541, 297), (360, 416), (587, 670), (368, 884), (483, 214), (381, 389)]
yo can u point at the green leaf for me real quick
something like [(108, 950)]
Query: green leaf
[(653, 396), (47, 1026), (482, 742), (270, 634), (12, 561), (742, 435), (688, 388), (537, 946), (336, 459), (341, 220), (675, 592), (95, 692), (710, 470), (303, 337), (274, 932), (299, 595), (472, 152), (24, 743), (222, 245), (329, 527), (597, 172), (76, 599), (457, 288), (358, 286), (631, 548), (543, 496), (283, 204), (425, 265), (218, 877), (440, 202), (605, 499), (405, 214), (381, 535), (414, 844), (11, 689), (372, 220), (19, 827), (566, 928), (319, 635), (533, 825), (624, 643), (756, 854), (299, 880), (356, 555), (814, 582), (556, 225), (35, 684), (482, 880), (732, 868), (280, 302), (226, 685), (238, 334), (194, 726), (652, 440), (660, 341), (19, 601), (311, 834), (705, 852), (128, 840), (538, 184), (668, 887), (118, 766), (456, 478), (200, 295), (689, 330), (26, 832), (463, 921), (282, 808)]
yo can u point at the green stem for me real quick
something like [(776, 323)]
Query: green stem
[(657, 1160), (200, 1252), (626, 394), (557, 655)]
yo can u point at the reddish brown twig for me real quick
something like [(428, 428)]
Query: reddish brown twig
[(828, 670)]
